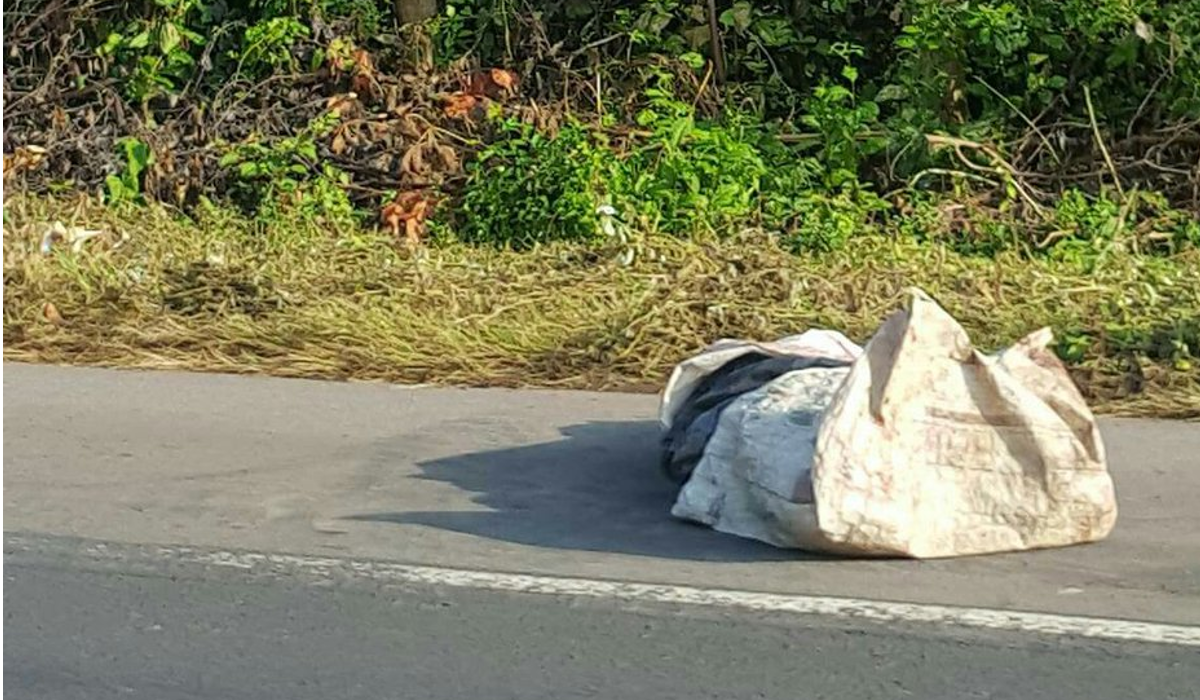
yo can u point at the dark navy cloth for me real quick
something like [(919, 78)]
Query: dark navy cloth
[(696, 420)]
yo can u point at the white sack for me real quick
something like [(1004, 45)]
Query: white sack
[(813, 344), (925, 447)]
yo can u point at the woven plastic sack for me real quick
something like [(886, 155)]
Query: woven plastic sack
[(924, 447)]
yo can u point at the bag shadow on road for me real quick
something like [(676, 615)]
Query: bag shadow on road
[(597, 489)]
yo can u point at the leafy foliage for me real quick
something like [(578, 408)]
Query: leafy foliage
[(528, 188), (152, 52), (279, 177), (127, 187), (267, 45), (813, 121)]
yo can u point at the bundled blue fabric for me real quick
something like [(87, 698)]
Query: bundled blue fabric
[(683, 444)]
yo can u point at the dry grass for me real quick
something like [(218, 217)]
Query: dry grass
[(298, 299)]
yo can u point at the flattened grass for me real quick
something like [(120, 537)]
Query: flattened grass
[(305, 300)]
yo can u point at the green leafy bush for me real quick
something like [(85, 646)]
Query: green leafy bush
[(267, 45), (982, 60), (818, 125), (273, 178), (529, 188), (690, 176), (127, 186), (152, 52)]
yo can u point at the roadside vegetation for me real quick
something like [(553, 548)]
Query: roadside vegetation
[(579, 194)]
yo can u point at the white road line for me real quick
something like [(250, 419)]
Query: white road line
[(850, 608)]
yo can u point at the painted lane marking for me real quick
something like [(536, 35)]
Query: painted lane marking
[(848, 608)]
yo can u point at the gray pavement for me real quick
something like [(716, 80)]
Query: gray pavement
[(139, 625), (539, 482), (529, 481)]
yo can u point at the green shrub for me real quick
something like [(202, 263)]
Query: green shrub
[(690, 176), (685, 177), (528, 188), (854, 86), (127, 186), (152, 51), (267, 45), (274, 178)]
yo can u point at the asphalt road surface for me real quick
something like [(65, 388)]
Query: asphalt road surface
[(171, 535)]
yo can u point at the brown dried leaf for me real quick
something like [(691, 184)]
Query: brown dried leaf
[(504, 79), (23, 158), (413, 161), (448, 157), (391, 98), (415, 226), (51, 314), (391, 217), (460, 104), (58, 119), (379, 130), (408, 209), (342, 104), (495, 83), (409, 127), (364, 73), (338, 145), (363, 64)]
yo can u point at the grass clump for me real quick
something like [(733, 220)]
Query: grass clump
[(294, 298), (604, 187)]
